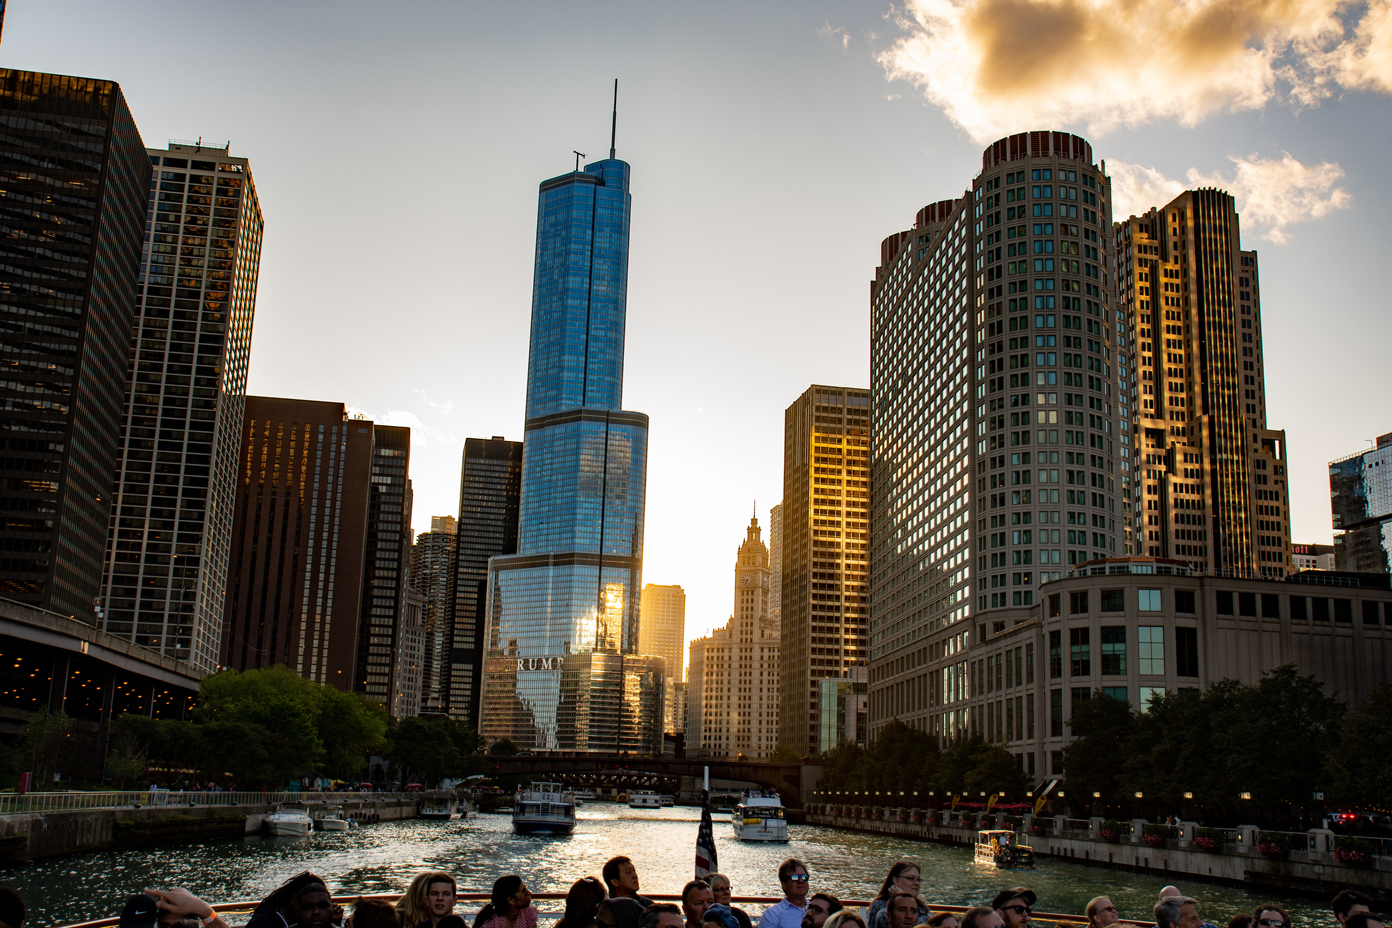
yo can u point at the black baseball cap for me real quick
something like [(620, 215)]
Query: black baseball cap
[(1002, 897), (140, 912)]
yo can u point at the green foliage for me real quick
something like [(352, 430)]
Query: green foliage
[(433, 747), (44, 747), (904, 759), (1093, 763), (785, 755), (1360, 767), (503, 747)]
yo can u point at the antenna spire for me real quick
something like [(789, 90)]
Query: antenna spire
[(614, 123)]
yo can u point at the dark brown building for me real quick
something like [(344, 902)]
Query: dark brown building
[(296, 581)]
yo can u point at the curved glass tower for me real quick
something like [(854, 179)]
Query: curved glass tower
[(562, 670)]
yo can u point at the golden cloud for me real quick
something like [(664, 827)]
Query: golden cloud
[(996, 65), (1271, 193)]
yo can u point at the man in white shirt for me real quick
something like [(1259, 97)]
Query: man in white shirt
[(788, 912)]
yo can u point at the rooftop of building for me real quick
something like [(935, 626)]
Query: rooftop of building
[(1158, 566)]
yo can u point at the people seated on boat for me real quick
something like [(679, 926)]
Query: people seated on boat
[(278, 909), (904, 877), (661, 915), (846, 918), (720, 890), (622, 879), (820, 907), (373, 913), (903, 910), (944, 920), (509, 906), (416, 908), (1240, 921), (719, 916), (982, 917), (1349, 902), (581, 904), (623, 912), (11, 908), (695, 899), (173, 907), (788, 911), (1269, 915), (1014, 906), (315, 908), (1177, 912), (1167, 891), (1101, 912), (1364, 920)]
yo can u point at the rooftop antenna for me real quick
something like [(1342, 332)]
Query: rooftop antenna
[(614, 124), (578, 156)]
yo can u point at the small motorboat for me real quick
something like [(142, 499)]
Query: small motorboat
[(331, 819), (289, 818)]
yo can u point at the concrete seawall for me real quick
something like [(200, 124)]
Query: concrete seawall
[(24, 836), (1311, 871)]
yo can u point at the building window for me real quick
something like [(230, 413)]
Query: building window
[(1271, 605), (1116, 692), (1321, 608), (1079, 652), (1370, 613), (1186, 641), (1225, 606), (1055, 655), (1029, 717), (1113, 650), (1343, 610), (1078, 695), (1299, 609), (1054, 607), (1029, 658), (1148, 600), (1148, 694), (1077, 602), (1056, 759), (1056, 715), (1184, 601), (1113, 600), (1151, 651), (1247, 604)]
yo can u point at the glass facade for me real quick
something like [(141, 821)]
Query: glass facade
[(1360, 496), (74, 179), (568, 601), (171, 525)]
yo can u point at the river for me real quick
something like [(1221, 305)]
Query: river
[(384, 858)]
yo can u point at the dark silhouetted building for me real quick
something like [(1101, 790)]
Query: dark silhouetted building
[(432, 563), (1360, 497), (386, 558)]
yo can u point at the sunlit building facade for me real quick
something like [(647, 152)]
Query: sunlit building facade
[(171, 526), (74, 179), (1210, 483), (824, 548), (561, 669), (1360, 497), (662, 633)]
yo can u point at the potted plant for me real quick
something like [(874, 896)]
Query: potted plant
[(1039, 828), (1353, 852), (1155, 835), (968, 820), (1014, 821), (1273, 845), (935, 817), (1109, 830), (1208, 839)]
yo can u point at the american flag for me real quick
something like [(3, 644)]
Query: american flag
[(705, 841)]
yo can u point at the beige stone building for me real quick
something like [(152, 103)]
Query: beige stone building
[(662, 633), (732, 688)]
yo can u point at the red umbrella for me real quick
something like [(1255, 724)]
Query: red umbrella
[(414, 786), (365, 784)]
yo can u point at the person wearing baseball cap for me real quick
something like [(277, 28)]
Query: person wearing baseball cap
[(1014, 906)]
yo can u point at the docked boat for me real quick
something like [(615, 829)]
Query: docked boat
[(1003, 850), (759, 817), (666, 799), (644, 799), (583, 796), (289, 818), (331, 819), (439, 808), (543, 808)]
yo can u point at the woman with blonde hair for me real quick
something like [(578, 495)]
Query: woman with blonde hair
[(414, 906), (844, 919)]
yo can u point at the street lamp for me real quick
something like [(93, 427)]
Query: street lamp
[(1245, 796)]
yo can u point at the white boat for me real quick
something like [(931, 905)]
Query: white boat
[(439, 809), (666, 799), (543, 808), (583, 796), (289, 818), (644, 799), (759, 817), (331, 819)]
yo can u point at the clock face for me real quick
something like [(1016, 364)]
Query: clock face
[(747, 579)]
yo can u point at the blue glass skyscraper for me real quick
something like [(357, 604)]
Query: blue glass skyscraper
[(561, 669)]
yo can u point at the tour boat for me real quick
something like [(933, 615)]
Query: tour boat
[(331, 819), (289, 818), (583, 796), (644, 799), (759, 817), (543, 808), (666, 799), (439, 809), (1004, 850)]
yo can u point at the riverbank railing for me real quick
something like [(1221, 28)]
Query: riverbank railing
[(20, 804)]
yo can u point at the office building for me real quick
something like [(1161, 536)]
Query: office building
[(386, 557), (998, 449), (1360, 497), (299, 533), (408, 676), (1133, 627), (561, 670), (776, 563), (1210, 477), (738, 715), (1312, 557), (75, 180), (432, 569), (490, 484), (662, 633), (824, 546), (171, 525)]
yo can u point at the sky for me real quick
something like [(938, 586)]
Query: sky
[(397, 149)]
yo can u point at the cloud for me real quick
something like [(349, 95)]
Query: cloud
[(1001, 66), (420, 429), (1271, 193), (828, 31)]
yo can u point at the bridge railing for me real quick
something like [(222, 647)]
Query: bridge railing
[(16, 804)]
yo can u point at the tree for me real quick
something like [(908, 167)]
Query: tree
[(350, 727), (434, 747), (1360, 766), (1104, 728), (503, 747), (43, 748)]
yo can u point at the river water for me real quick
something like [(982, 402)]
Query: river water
[(384, 858)]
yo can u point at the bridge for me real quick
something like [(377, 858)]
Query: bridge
[(793, 781)]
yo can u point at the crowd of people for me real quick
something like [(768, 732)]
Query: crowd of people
[(613, 901)]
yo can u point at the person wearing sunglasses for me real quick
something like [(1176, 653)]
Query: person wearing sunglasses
[(788, 912), (1014, 906), (1101, 913), (1270, 916)]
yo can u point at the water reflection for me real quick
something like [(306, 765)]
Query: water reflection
[(384, 858)]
